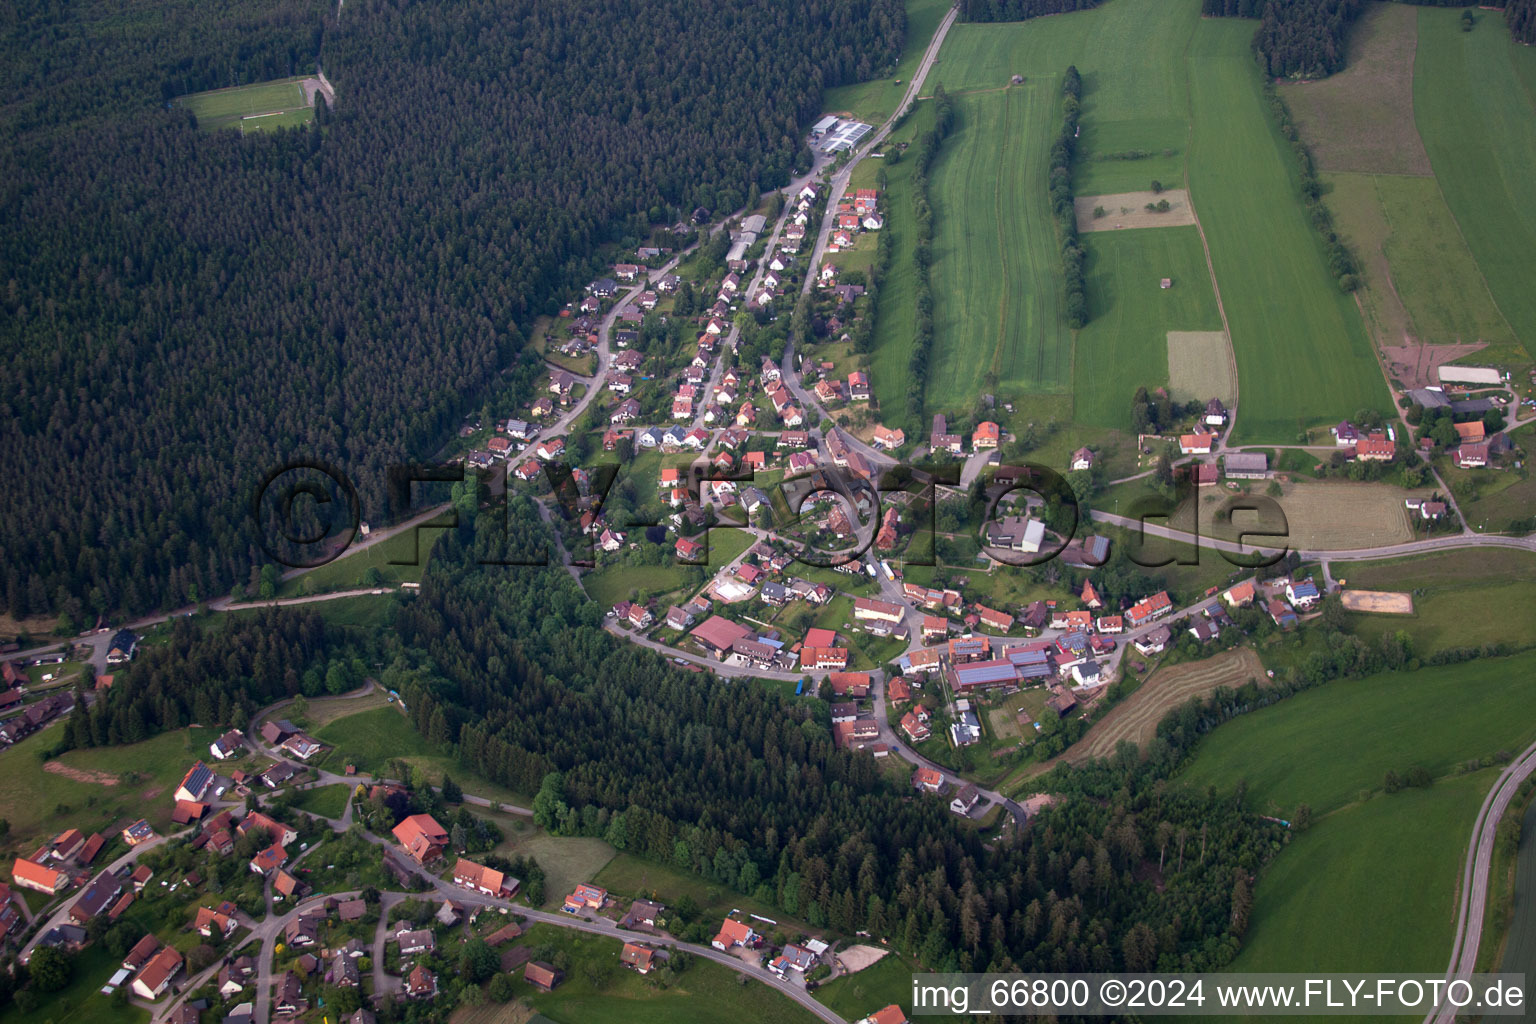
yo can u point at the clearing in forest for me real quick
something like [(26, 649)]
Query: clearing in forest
[(263, 106), (1129, 210)]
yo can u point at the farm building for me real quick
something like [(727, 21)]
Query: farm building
[(1245, 465)]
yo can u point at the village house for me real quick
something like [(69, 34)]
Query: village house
[(1196, 444), (587, 897), (733, 934), (1082, 459), (469, 875), (421, 983), (421, 837), (915, 724), (1148, 609), (156, 976), (542, 976)]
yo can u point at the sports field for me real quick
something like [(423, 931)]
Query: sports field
[(1125, 345), (999, 292), (1302, 353), (263, 106), (1135, 719), (1482, 152)]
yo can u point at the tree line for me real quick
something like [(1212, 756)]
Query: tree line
[(1062, 204), (1019, 10), (1307, 38), (185, 310), (924, 152)]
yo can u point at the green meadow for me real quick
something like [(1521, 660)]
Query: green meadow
[(999, 292), (1302, 353), (1184, 92), (1372, 885), (1125, 345), (1331, 746), (1476, 111)]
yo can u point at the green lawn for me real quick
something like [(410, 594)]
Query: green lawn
[(876, 100), (81, 1002), (707, 992), (1461, 567), (38, 802), (1328, 746), (226, 108), (1302, 353), (1125, 344), (999, 292), (856, 996), (619, 582), (324, 801), (1483, 152), (371, 739)]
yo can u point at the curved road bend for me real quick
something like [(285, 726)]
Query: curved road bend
[(1475, 875)]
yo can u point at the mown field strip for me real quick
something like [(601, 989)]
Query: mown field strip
[(1135, 719), (1302, 354), (1483, 151)]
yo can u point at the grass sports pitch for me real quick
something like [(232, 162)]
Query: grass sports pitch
[(263, 106)]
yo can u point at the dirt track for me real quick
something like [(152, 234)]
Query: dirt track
[(80, 774), (1136, 718)]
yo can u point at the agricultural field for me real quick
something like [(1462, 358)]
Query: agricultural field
[(1482, 152), (1449, 570), (875, 101), (1422, 283), (260, 107), (891, 348), (1134, 101), (1125, 344), (1331, 746), (1361, 119), (1200, 366), (1135, 719), (1302, 353), (1325, 903), (999, 293)]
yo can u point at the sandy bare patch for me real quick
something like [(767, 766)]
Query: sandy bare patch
[(80, 774), (1200, 366), (1380, 602), (856, 958), (1129, 210), (1415, 365)]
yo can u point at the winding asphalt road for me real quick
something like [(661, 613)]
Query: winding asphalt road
[(1474, 880)]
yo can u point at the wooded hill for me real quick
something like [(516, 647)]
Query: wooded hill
[(184, 310)]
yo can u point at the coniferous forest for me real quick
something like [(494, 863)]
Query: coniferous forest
[(183, 310)]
